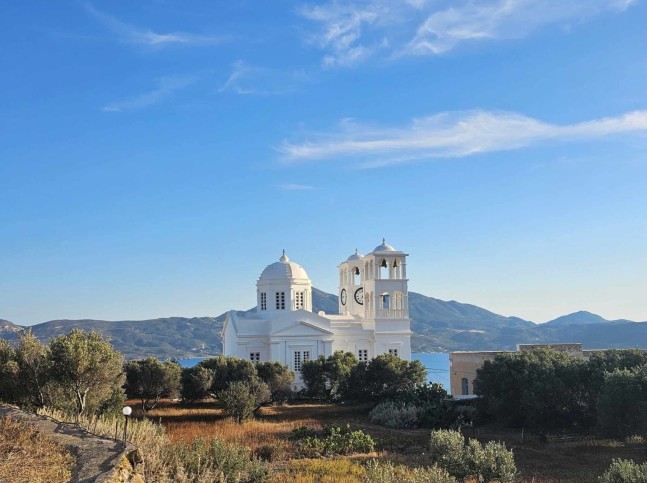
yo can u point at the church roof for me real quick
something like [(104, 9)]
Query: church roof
[(284, 269), (384, 247), (355, 256)]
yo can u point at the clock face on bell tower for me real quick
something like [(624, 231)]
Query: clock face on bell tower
[(359, 295), (342, 296)]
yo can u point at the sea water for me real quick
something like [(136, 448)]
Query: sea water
[(436, 363)]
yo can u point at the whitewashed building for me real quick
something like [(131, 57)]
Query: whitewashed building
[(373, 316)]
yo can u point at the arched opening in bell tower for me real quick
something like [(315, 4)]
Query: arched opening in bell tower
[(384, 269), (357, 277)]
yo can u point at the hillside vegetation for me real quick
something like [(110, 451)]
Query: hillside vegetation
[(438, 326)]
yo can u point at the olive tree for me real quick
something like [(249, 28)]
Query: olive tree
[(242, 400), (227, 370), (279, 379), (34, 366), (196, 382), (87, 367), (327, 378), (8, 372), (150, 379), (387, 375), (622, 403)]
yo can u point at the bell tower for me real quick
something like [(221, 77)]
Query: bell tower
[(351, 289), (386, 299), (387, 295)]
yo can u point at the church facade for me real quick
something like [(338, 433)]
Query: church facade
[(373, 315)]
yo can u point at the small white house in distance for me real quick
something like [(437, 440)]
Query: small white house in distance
[(373, 316)]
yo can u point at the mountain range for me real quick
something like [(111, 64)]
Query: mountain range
[(438, 326)]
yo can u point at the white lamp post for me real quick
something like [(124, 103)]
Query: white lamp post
[(127, 411)]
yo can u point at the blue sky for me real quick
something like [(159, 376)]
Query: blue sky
[(155, 156)]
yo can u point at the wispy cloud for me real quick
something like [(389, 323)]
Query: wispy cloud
[(247, 79), (353, 30), (449, 135), (502, 19), (296, 187), (165, 87), (140, 36), (342, 26)]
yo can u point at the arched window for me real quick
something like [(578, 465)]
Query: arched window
[(357, 278), (398, 301), (465, 388), (384, 269), (385, 301), (396, 269)]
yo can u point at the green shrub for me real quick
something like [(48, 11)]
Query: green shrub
[(422, 393), (215, 460), (302, 432), (421, 405), (625, 471), (447, 450), (396, 415), (272, 452), (337, 441), (321, 471), (493, 461), (385, 472)]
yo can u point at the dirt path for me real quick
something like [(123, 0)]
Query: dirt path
[(95, 456)]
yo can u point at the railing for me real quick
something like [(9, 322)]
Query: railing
[(393, 313)]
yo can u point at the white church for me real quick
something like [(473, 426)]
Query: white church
[(373, 316)]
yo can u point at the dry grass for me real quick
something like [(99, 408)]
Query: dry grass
[(574, 461), (321, 471), (146, 435), (28, 456), (275, 424)]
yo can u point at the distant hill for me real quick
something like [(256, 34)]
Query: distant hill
[(581, 318), (438, 326), (9, 330)]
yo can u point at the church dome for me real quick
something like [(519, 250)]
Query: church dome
[(284, 269), (384, 247), (355, 256)]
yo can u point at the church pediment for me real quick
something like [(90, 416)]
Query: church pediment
[(301, 328)]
